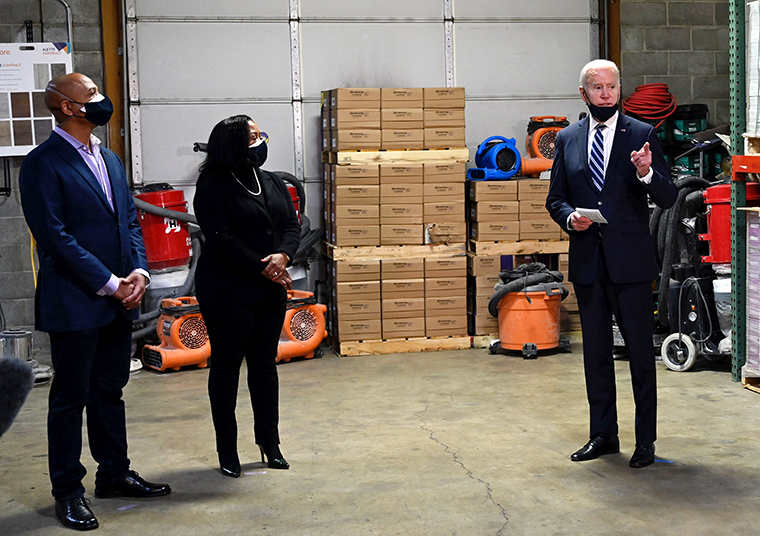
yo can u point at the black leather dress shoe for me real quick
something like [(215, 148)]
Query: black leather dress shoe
[(131, 485), (75, 514), (597, 446), (229, 464), (642, 456)]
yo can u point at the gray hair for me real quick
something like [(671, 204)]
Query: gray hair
[(595, 66)]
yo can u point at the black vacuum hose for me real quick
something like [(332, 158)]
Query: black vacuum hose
[(521, 278)]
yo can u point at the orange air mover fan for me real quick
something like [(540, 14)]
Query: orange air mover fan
[(542, 132), (184, 340), (304, 327)]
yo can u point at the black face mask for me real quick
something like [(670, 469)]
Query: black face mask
[(602, 113), (98, 113), (257, 154)]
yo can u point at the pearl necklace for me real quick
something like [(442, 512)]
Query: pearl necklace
[(255, 176)]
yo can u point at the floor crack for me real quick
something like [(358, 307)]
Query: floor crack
[(448, 450)]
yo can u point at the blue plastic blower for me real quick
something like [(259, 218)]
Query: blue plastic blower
[(497, 158)]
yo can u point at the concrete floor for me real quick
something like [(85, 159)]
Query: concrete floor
[(439, 443)]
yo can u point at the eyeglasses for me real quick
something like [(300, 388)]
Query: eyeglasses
[(256, 138)]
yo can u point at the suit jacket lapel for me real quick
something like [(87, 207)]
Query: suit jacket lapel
[(74, 159), (583, 149), (619, 145), (112, 165)]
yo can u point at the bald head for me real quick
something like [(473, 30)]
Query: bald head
[(62, 90)]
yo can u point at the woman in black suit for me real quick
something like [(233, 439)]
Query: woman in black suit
[(251, 234)]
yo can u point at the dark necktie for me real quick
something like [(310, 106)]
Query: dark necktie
[(596, 162)]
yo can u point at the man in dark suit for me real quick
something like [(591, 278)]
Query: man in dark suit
[(612, 163), (92, 277)]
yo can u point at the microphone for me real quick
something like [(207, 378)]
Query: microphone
[(16, 380)]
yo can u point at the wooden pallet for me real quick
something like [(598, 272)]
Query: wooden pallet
[(751, 379), (399, 346), (394, 252), (524, 247), (345, 158)]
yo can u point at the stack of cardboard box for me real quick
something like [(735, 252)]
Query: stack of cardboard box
[(351, 119), (356, 286), (493, 211), (569, 317), (483, 274), (445, 296), (443, 200), (535, 222), (443, 117)]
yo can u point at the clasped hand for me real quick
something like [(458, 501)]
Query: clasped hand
[(131, 290), (276, 270)]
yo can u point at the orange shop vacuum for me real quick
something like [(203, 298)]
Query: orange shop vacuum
[(542, 133), (527, 303), (183, 335)]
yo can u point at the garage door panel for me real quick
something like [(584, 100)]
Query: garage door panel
[(312, 140), (523, 62), (371, 55), (168, 136), (371, 9), (204, 8), (214, 60), (510, 119), (490, 9)]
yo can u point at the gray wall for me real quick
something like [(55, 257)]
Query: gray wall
[(49, 24), (682, 44)]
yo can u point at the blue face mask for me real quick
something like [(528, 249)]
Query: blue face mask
[(602, 113), (257, 153), (98, 111)]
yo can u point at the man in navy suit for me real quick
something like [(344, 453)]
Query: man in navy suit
[(612, 265), (92, 278)]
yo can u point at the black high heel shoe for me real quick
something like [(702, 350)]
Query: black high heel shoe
[(229, 463), (274, 458)]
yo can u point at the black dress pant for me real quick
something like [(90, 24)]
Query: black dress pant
[(633, 305), (91, 369), (250, 332)]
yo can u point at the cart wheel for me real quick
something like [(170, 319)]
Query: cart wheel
[(318, 352), (494, 347), (678, 352), (530, 350)]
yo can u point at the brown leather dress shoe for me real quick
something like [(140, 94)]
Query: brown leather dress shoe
[(642, 456), (132, 485), (75, 514), (597, 446)]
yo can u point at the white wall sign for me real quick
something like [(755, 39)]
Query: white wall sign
[(25, 70)]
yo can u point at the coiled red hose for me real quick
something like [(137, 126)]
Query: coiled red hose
[(651, 102)]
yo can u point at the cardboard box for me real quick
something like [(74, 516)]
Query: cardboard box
[(449, 325), (444, 137), (443, 97), (401, 235), (444, 172), (355, 235), (402, 288), (392, 214), (507, 231), (436, 287), (484, 284), (486, 265), (357, 310), (401, 97), (355, 97), (356, 194), (444, 118), (359, 330), (353, 174), (531, 208), (494, 210), (402, 139), (400, 193), (528, 189), (350, 119), (346, 140), (403, 307), (538, 230), (400, 328), (435, 192), (445, 267), (325, 99), (445, 232), (492, 190), (444, 212), (343, 271), (400, 173), (441, 305), (412, 268), (482, 306), (356, 291), (483, 324), (348, 215), (402, 118)]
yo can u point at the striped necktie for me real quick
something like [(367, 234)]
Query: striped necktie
[(596, 162)]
